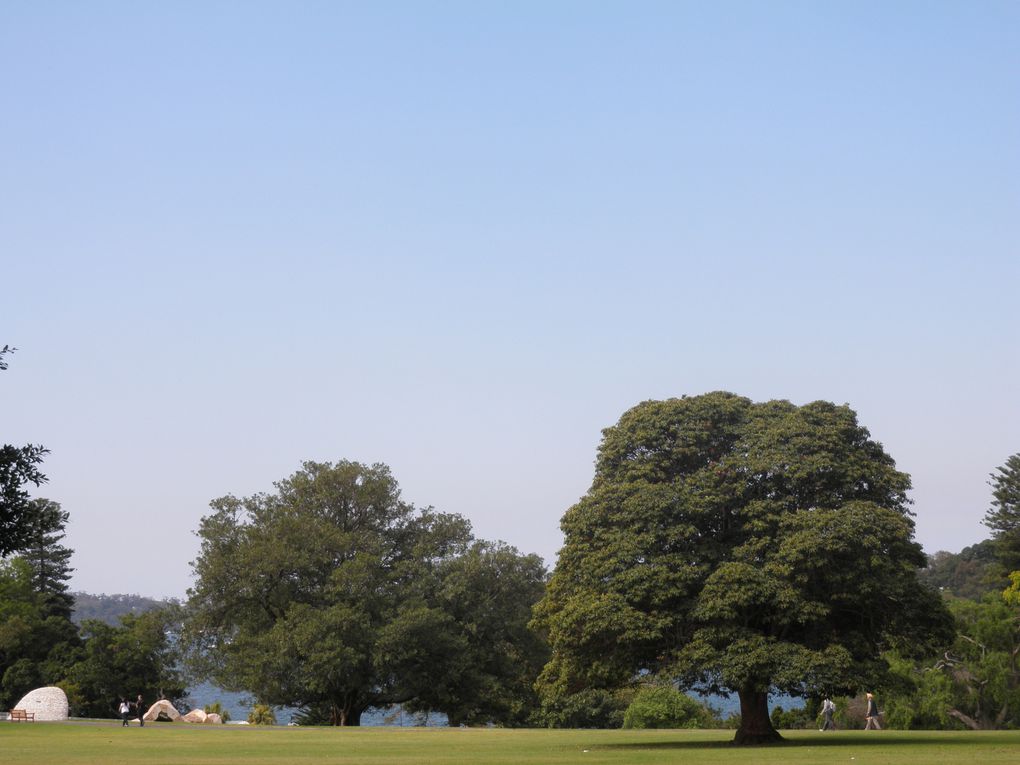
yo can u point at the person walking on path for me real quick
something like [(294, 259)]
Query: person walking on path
[(124, 710), (140, 709), (828, 710), (872, 715)]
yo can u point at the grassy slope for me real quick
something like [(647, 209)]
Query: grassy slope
[(109, 744)]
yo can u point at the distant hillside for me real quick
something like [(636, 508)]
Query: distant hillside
[(109, 608), (970, 573)]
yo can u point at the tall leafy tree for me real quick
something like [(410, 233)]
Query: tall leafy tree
[(737, 547), (328, 595), (36, 648), (479, 607), (19, 466), (48, 558), (38, 641), (1003, 517)]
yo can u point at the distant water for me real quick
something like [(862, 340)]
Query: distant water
[(240, 704), (731, 706)]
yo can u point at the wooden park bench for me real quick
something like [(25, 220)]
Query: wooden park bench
[(20, 715)]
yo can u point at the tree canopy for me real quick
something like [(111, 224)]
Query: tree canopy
[(484, 599), (135, 657), (36, 648), (974, 683), (19, 466), (737, 547), (966, 574), (38, 641), (334, 595)]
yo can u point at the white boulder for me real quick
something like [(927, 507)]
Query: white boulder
[(195, 716), (166, 708)]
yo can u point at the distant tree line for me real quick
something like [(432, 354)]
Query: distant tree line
[(971, 573), (110, 608)]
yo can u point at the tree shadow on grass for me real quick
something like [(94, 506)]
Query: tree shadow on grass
[(897, 738)]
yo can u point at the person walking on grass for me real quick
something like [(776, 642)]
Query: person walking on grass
[(125, 710), (828, 710), (872, 715), (140, 710)]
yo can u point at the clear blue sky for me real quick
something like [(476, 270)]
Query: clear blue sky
[(462, 238)]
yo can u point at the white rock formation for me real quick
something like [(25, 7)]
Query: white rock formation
[(49, 704), (166, 708), (213, 718), (195, 716)]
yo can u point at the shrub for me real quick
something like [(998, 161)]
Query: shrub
[(262, 714), (793, 719), (217, 708), (590, 708), (662, 706)]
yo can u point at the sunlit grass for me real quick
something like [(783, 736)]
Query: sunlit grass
[(107, 743)]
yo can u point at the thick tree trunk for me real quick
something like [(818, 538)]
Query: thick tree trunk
[(346, 715), (351, 717), (755, 724)]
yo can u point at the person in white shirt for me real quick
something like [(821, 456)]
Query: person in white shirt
[(828, 710)]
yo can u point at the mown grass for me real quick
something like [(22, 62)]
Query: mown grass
[(107, 743)]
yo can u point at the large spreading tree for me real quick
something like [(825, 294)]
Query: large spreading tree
[(737, 547), (333, 595)]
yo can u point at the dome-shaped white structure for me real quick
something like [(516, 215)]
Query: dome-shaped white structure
[(48, 704)]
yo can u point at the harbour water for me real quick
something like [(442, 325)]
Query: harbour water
[(240, 704)]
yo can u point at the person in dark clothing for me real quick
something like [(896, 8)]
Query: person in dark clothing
[(140, 710)]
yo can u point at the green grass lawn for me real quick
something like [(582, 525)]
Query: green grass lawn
[(107, 743)]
